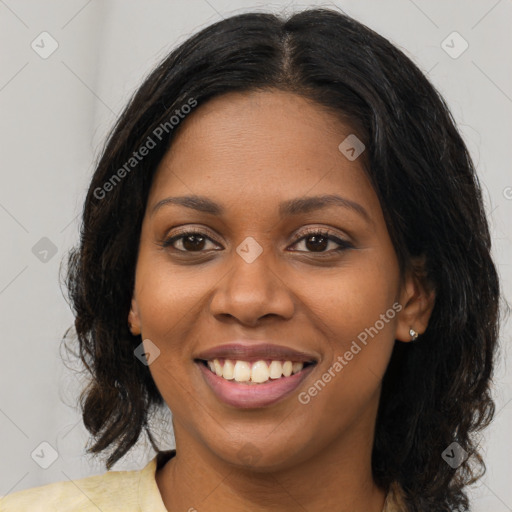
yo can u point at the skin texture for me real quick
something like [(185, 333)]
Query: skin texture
[(248, 152)]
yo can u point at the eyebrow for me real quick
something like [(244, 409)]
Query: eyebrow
[(286, 208)]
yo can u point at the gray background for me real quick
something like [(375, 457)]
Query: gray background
[(55, 113)]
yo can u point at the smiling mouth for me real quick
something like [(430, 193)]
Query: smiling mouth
[(255, 372)]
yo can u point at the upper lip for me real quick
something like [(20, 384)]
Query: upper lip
[(253, 351)]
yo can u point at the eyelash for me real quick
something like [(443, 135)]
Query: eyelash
[(313, 231)]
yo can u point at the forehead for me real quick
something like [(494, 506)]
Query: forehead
[(260, 148)]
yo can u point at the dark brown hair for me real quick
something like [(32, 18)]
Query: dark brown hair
[(434, 392)]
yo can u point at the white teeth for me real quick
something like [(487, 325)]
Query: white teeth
[(242, 371), (276, 369), (228, 370), (297, 367), (258, 372), (218, 367)]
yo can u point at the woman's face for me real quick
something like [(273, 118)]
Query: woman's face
[(258, 274)]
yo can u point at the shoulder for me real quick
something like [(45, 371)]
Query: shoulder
[(113, 491), (395, 499)]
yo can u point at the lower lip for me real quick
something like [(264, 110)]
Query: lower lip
[(253, 395)]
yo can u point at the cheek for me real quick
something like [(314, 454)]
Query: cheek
[(168, 297), (353, 297), (354, 311), (169, 307)]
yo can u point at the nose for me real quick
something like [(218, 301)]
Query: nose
[(252, 289)]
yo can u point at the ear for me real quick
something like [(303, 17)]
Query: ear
[(417, 298), (133, 318)]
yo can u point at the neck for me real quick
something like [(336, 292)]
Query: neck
[(338, 477)]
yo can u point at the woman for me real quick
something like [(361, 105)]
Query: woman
[(284, 242)]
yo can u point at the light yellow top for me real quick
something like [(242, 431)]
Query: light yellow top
[(115, 491)]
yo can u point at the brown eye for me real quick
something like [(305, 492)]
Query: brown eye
[(318, 241), (191, 241)]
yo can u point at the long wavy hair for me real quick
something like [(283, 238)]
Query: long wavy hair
[(434, 392)]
